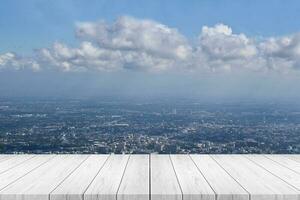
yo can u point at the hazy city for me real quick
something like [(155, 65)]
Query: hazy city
[(149, 100), (143, 77), (81, 126)]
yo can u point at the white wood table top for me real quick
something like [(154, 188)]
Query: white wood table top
[(149, 177)]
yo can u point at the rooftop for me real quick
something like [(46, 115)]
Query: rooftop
[(145, 177)]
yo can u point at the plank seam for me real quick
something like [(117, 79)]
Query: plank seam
[(176, 176), (231, 176), (18, 164), (68, 175), (282, 164), (271, 173), (95, 176), (122, 176), (28, 172), (216, 195)]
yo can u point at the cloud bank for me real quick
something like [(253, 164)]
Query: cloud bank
[(131, 44)]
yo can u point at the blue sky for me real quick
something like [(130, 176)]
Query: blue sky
[(30, 24), (203, 48)]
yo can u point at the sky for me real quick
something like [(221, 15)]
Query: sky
[(203, 49)]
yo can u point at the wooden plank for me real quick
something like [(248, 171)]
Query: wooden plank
[(192, 183), (135, 182), (222, 183), (105, 185), (164, 184), (38, 184), (75, 185), (261, 184), (294, 157), (136, 177), (19, 171), (13, 162), (286, 161), (4, 157), (276, 169)]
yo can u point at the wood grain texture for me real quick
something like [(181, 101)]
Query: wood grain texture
[(286, 161), (192, 183), (261, 184), (13, 162), (278, 170), (75, 185), (39, 184), (21, 170), (5, 157), (164, 183), (294, 157), (222, 183), (105, 185), (135, 182), (145, 177)]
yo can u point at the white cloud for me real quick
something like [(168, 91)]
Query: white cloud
[(217, 30), (282, 52), (85, 57), (11, 61), (220, 50), (226, 51), (219, 43), (90, 57), (146, 45), (131, 34), (127, 44)]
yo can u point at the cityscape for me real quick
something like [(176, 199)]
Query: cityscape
[(149, 100), (149, 77), (82, 126)]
